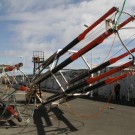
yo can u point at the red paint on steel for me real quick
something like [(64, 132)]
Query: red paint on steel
[(82, 35), (98, 40), (92, 80)]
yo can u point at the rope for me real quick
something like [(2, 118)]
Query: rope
[(95, 115), (118, 19), (95, 32), (124, 44), (109, 50), (123, 47)]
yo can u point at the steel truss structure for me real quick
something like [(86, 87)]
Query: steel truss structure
[(8, 102)]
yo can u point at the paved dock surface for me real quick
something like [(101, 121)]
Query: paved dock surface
[(78, 117)]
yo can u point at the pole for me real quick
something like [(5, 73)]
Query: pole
[(91, 92)]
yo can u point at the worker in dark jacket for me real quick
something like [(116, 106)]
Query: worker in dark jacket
[(117, 90)]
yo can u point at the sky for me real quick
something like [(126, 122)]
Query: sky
[(49, 25)]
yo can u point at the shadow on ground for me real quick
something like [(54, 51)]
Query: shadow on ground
[(42, 119)]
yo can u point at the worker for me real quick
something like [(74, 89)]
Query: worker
[(117, 87)]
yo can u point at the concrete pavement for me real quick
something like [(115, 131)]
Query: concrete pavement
[(78, 117)]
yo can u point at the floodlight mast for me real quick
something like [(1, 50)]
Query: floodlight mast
[(82, 51)]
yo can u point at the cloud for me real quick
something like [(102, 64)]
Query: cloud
[(50, 25)]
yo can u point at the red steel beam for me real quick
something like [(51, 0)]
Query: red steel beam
[(11, 68), (113, 71), (107, 81)]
